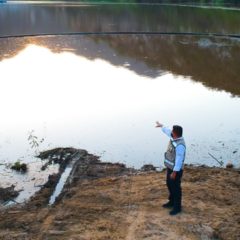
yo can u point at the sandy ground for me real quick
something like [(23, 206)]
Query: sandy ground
[(128, 206)]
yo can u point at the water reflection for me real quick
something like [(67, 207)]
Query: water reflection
[(74, 17), (77, 99), (203, 59), (104, 93)]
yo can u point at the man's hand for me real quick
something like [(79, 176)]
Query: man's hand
[(173, 175), (159, 124)]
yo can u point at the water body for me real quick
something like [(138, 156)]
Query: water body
[(60, 185), (105, 92), (48, 17)]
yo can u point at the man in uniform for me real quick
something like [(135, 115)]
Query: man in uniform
[(174, 161)]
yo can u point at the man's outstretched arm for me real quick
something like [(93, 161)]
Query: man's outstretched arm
[(166, 130)]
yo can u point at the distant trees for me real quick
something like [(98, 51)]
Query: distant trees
[(201, 2), (198, 2)]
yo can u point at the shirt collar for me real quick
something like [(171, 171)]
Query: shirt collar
[(176, 139)]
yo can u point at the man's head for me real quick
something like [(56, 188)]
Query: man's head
[(177, 131)]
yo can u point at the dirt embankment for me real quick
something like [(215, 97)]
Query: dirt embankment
[(109, 201)]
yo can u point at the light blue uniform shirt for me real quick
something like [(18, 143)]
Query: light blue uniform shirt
[(180, 151)]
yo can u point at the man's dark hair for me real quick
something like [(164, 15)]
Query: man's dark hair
[(178, 130)]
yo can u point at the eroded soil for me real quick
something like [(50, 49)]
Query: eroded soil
[(126, 204)]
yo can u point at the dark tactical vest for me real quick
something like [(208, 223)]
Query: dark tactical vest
[(170, 154)]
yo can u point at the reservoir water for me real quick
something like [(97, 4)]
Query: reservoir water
[(104, 92)]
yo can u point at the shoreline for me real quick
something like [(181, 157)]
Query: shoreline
[(103, 200)]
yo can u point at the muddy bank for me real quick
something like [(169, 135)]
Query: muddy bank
[(8, 194), (109, 201)]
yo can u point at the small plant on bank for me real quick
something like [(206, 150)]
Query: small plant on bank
[(34, 142), (21, 167)]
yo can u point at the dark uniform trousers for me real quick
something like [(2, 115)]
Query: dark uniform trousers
[(175, 190)]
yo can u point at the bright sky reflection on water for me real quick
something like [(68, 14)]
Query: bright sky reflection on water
[(70, 100)]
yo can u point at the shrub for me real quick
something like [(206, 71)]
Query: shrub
[(19, 166)]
